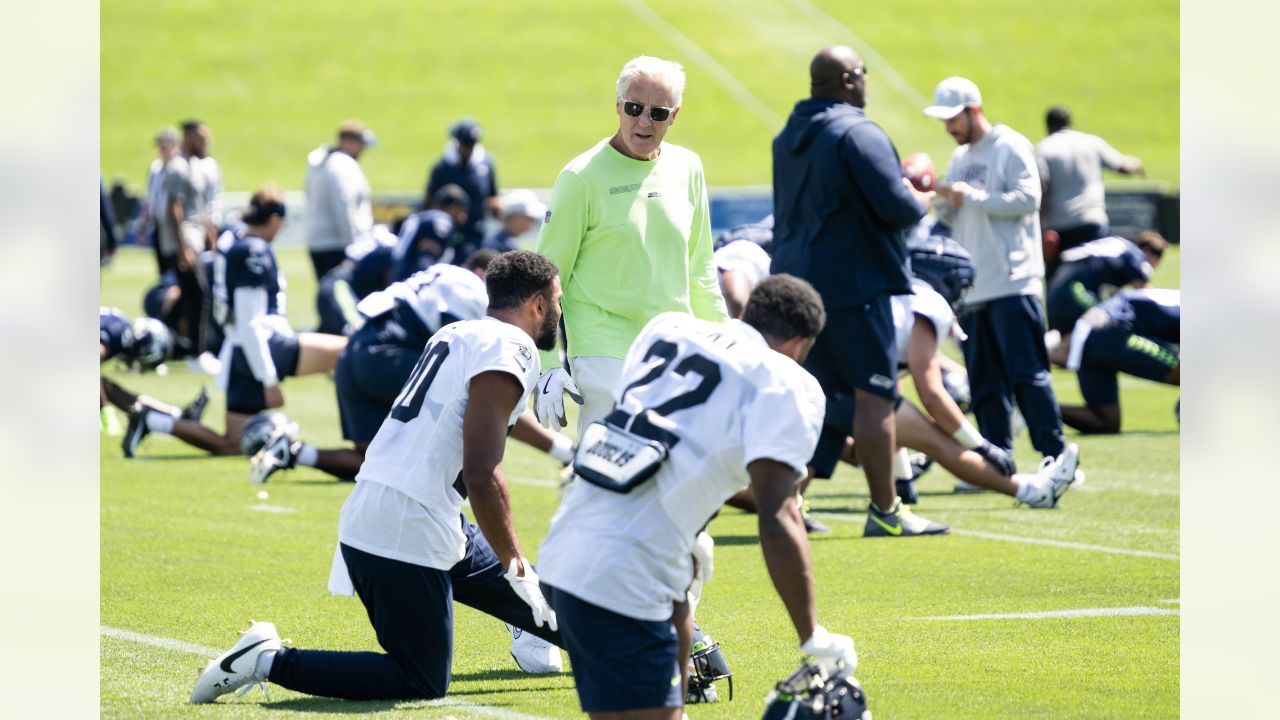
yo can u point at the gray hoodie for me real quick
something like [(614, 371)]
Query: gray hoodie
[(339, 205), (999, 223)]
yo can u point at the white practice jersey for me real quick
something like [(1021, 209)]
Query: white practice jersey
[(923, 301), (745, 257), (440, 289), (719, 398), (405, 505)]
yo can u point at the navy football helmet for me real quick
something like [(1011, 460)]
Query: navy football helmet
[(818, 691), (152, 343), (707, 664), (757, 233), (944, 264), (260, 429)]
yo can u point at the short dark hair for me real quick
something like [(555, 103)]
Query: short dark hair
[(514, 277), (784, 307), (191, 125), (1057, 118), (1152, 241), (480, 259), (451, 194)]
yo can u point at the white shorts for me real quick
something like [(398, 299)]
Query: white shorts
[(597, 379)]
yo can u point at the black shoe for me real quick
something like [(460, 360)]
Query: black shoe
[(813, 527), (195, 410), (907, 491), (920, 464), (136, 431)]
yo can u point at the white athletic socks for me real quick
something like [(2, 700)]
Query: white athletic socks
[(263, 668), (158, 422), (902, 464), (308, 456)]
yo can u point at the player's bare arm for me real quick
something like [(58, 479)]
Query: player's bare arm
[(493, 395), (784, 542)]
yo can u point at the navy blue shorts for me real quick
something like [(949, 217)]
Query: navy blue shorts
[(1065, 302), (1112, 350), (328, 309), (371, 371), (619, 663), (856, 350), (837, 426), (244, 391)]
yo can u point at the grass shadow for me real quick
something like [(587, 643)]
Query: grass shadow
[(332, 705)]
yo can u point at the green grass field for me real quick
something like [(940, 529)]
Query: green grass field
[(274, 80), (190, 553)]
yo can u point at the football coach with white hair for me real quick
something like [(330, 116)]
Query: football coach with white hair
[(630, 229)]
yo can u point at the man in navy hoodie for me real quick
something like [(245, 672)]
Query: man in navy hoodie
[(841, 209)]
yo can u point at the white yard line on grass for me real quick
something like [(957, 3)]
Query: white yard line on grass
[(171, 644), (1077, 613), (874, 59), (278, 509), (704, 60), (1021, 539)]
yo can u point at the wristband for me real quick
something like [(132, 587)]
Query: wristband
[(967, 435)]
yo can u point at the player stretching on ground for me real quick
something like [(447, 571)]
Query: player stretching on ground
[(728, 403), (260, 348), (404, 543), (1135, 332)]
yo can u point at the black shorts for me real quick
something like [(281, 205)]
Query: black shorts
[(619, 662), (857, 351), (1114, 349), (371, 371), (244, 391)]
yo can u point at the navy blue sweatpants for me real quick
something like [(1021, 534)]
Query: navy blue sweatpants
[(1007, 360), (411, 609)]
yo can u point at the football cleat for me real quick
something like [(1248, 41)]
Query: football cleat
[(899, 522), (195, 410), (811, 526), (920, 464), (280, 453), (237, 667), (817, 691), (1055, 477), (136, 430), (109, 422), (259, 429), (532, 653)]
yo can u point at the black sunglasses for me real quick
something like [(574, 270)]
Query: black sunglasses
[(656, 114)]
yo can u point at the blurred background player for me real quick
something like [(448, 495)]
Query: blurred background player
[(434, 235), (154, 209), (629, 226), (617, 563), (742, 257), (467, 164), (404, 545), (521, 212), (989, 200), (1092, 272), (190, 186), (1136, 332), (339, 202), (367, 268), (1070, 164), (143, 344), (260, 347)]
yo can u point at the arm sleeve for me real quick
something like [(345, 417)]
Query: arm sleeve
[(251, 333), (561, 236), (1022, 180), (873, 163), (1111, 158), (782, 424), (704, 283)]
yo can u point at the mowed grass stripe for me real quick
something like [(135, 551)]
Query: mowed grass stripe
[(1132, 611)]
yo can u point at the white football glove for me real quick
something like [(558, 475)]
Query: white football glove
[(825, 644), (527, 588), (549, 397), (704, 552)]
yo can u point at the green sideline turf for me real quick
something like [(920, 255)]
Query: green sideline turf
[(274, 80), (189, 552)]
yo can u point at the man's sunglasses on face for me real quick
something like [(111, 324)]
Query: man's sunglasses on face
[(656, 114)]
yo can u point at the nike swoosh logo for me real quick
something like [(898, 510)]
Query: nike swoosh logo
[(545, 385), (226, 662), (891, 529)]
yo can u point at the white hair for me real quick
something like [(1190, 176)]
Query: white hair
[(665, 71)]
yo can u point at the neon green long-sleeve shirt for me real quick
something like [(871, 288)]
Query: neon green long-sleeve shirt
[(632, 239)]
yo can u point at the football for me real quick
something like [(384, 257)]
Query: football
[(918, 168)]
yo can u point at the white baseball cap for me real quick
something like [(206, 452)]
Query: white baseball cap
[(523, 202), (952, 96)]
